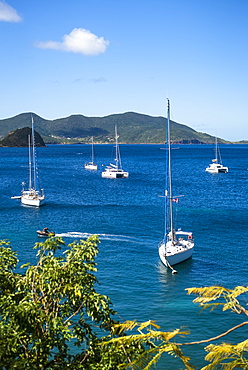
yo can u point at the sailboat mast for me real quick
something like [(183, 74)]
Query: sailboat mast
[(33, 155), (216, 149), (92, 152), (116, 149), (29, 162), (170, 227)]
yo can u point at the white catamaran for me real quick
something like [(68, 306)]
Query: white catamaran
[(177, 245), (114, 171), (34, 196), (216, 166), (91, 165)]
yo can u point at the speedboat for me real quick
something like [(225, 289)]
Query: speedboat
[(46, 233)]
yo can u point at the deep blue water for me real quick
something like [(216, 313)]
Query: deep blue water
[(127, 214)]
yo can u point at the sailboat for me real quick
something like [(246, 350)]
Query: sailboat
[(114, 171), (216, 165), (91, 165), (177, 245), (34, 196)]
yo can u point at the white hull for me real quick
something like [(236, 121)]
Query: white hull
[(30, 198), (114, 174), (90, 166), (174, 254), (35, 202), (216, 168), (45, 234)]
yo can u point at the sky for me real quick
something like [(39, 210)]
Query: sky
[(103, 57)]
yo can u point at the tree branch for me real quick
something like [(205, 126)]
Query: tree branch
[(217, 337)]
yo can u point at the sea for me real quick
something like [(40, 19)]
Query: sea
[(128, 216)]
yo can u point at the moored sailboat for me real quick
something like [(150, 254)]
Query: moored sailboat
[(216, 166), (177, 245), (33, 196), (114, 171), (91, 165)]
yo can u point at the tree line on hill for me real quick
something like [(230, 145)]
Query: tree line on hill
[(133, 128)]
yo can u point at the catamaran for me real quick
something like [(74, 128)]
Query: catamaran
[(114, 171), (216, 166), (34, 196), (91, 165), (177, 245)]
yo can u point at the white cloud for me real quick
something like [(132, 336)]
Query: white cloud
[(97, 80), (8, 14), (78, 41)]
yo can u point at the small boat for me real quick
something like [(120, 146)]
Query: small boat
[(45, 232), (34, 196), (115, 171), (216, 165), (177, 245), (91, 165)]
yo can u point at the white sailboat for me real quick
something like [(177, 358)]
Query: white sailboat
[(177, 245), (114, 171), (91, 165), (34, 196), (216, 166)]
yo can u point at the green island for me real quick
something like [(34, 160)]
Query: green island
[(133, 128)]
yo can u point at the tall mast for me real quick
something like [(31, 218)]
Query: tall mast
[(29, 163), (34, 159), (116, 149), (216, 149), (92, 152), (169, 172)]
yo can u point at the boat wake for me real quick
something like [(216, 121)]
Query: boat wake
[(80, 235)]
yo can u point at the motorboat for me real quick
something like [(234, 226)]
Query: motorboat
[(45, 232)]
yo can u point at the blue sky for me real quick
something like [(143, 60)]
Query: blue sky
[(101, 57)]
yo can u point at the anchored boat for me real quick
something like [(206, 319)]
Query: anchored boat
[(177, 245), (115, 171), (33, 196)]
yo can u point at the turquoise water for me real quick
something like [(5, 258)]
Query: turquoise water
[(127, 214)]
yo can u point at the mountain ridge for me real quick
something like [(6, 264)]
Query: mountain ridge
[(133, 128)]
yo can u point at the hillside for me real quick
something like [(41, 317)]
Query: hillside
[(19, 138), (132, 128)]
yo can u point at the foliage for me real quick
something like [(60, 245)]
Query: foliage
[(156, 342), (53, 304), (49, 307), (20, 138), (220, 356)]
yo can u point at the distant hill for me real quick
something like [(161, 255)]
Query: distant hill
[(19, 138), (133, 128)]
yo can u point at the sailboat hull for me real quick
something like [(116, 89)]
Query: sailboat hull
[(114, 174), (216, 168), (172, 255), (32, 199), (90, 166)]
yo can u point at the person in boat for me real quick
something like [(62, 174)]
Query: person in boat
[(46, 230)]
